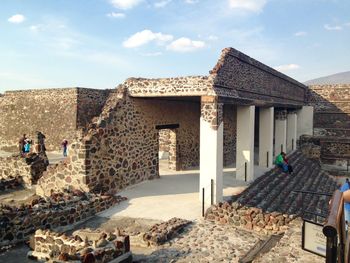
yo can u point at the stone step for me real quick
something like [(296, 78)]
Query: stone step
[(250, 192), (274, 191)]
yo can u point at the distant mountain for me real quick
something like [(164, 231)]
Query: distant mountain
[(339, 78)]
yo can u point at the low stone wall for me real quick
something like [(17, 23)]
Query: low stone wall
[(67, 175), (59, 211), (27, 169), (311, 150), (333, 150), (161, 233), (250, 218), (82, 246)]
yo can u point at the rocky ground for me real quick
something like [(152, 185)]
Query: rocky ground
[(208, 242), (288, 249), (202, 241)]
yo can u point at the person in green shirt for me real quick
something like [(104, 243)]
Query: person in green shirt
[(281, 162)]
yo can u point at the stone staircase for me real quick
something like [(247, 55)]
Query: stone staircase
[(275, 191)]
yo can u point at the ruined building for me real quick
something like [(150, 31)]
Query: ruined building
[(207, 121)]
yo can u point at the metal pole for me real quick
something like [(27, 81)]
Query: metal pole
[(211, 192), (245, 171), (331, 250), (203, 202), (267, 159), (292, 144), (281, 147)]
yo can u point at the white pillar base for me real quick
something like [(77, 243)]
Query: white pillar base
[(266, 122), (245, 143)]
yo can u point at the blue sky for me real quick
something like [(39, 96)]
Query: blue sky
[(100, 43)]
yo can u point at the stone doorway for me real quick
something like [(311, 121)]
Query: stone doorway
[(168, 148)]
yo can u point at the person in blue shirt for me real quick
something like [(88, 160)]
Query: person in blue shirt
[(27, 146), (345, 187)]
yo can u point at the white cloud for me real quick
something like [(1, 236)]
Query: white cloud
[(162, 3), (332, 28), (300, 34), (17, 19), (125, 4), (288, 67), (146, 36), (116, 15), (184, 44), (191, 1), (248, 5)]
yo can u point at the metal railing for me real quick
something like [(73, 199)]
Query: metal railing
[(337, 250)]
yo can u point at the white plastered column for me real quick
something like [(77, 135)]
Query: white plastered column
[(245, 143), (305, 122), (280, 134), (291, 131), (211, 151), (266, 125)]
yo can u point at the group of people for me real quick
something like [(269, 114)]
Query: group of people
[(24, 145)]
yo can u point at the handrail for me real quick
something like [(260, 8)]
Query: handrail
[(333, 228), (330, 228)]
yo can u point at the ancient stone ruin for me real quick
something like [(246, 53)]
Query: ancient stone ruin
[(117, 137), (24, 170), (82, 246)]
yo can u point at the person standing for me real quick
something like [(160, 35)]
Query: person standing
[(21, 144), (345, 187), (64, 147), (27, 143)]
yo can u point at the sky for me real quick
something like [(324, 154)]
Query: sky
[(101, 43)]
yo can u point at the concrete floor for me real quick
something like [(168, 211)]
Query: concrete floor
[(174, 194)]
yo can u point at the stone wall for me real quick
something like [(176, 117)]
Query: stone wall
[(331, 109), (26, 170), (181, 86), (230, 134), (121, 146), (331, 122), (63, 210), (82, 246), (52, 111), (90, 103), (240, 76), (250, 218), (164, 140), (331, 150), (68, 174)]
